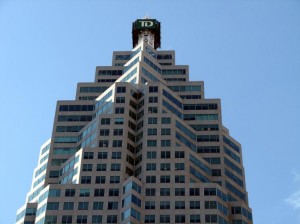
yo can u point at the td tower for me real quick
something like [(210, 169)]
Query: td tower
[(139, 144)]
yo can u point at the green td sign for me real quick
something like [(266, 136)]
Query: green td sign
[(145, 24)]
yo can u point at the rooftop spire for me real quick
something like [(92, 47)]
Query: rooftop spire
[(147, 30)]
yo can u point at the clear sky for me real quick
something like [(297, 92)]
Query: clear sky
[(247, 53)]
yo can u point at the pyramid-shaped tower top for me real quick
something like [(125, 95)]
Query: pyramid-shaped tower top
[(147, 30)]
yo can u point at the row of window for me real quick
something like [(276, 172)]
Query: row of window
[(76, 108), (106, 80), (179, 218), (165, 166), (185, 88), (68, 219), (109, 72), (102, 155), (166, 179), (165, 154), (101, 167), (173, 72), (99, 89), (164, 120), (174, 79)]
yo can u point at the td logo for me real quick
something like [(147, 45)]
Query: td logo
[(146, 23)]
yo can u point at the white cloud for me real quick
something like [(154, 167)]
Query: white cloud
[(294, 200), (296, 176)]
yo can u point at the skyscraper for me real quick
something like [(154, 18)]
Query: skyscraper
[(140, 144)]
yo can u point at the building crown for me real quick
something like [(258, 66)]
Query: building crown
[(147, 30)]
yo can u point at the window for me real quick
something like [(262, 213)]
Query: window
[(194, 191), (117, 143), (179, 204), (210, 205), (152, 120), (114, 179), (179, 191), (84, 192), (118, 132), (119, 120), (104, 132), (98, 205), (208, 149), (166, 120), (165, 166), (151, 143), (100, 180), (210, 191), (149, 204), (216, 172), (105, 121), (102, 155), (151, 155), (115, 167), (85, 180), (116, 155), (179, 218), (151, 166), (119, 110), (83, 205), (112, 205), (150, 179), (68, 205), (153, 89), (149, 218), (53, 174), (99, 192), (164, 218), (164, 191), (70, 192), (150, 192), (236, 210), (165, 131), (121, 89), (153, 99), (96, 219), (113, 192), (101, 167), (194, 204), (179, 166), (165, 154), (152, 110), (66, 219), (54, 193), (87, 167), (165, 179), (120, 99), (165, 143), (152, 131), (214, 160), (195, 219), (211, 218), (179, 179), (179, 154), (88, 155), (112, 219), (51, 219), (164, 205), (103, 143), (81, 219), (52, 205)]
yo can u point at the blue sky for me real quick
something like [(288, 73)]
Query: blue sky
[(246, 52)]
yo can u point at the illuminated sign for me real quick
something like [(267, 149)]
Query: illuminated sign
[(145, 24)]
